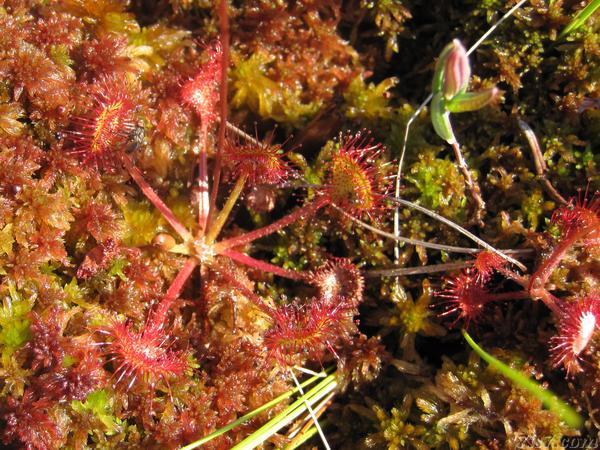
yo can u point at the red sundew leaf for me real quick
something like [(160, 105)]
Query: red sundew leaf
[(338, 278), (262, 162), (486, 263), (102, 132), (202, 91), (307, 330), (578, 322), (579, 216), (142, 356), (355, 181), (465, 296)]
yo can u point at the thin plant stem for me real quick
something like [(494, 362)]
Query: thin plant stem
[(153, 197), (472, 185), (160, 314), (542, 274), (444, 267), (217, 225), (224, 37), (425, 244), (241, 133), (301, 438), (298, 433), (261, 265), (202, 181), (399, 172), (309, 372), (311, 412), (458, 228), (305, 211), (490, 30), (404, 271), (503, 296)]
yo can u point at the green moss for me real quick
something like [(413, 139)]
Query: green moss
[(116, 268), (369, 101), (142, 221), (417, 316), (532, 207), (7, 240), (14, 320), (389, 16), (439, 184), (396, 431), (270, 99), (99, 405)]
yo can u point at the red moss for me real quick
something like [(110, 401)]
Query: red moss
[(302, 37), (578, 322), (98, 259), (20, 159), (47, 344), (363, 361), (30, 423), (106, 56), (47, 84), (57, 28), (74, 382), (99, 220), (141, 276), (173, 121)]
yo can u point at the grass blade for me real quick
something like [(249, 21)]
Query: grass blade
[(580, 18), (549, 399), (284, 418), (250, 415)]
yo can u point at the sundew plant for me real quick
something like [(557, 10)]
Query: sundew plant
[(269, 224)]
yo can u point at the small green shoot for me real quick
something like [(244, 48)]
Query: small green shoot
[(550, 400), (580, 18)]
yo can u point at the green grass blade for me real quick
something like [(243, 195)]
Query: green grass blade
[(580, 18), (250, 415), (298, 441), (287, 416), (550, 401)]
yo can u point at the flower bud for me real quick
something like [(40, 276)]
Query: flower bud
[(457, 70)]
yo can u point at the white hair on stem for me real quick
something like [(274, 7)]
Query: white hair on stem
[(311, 412)]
